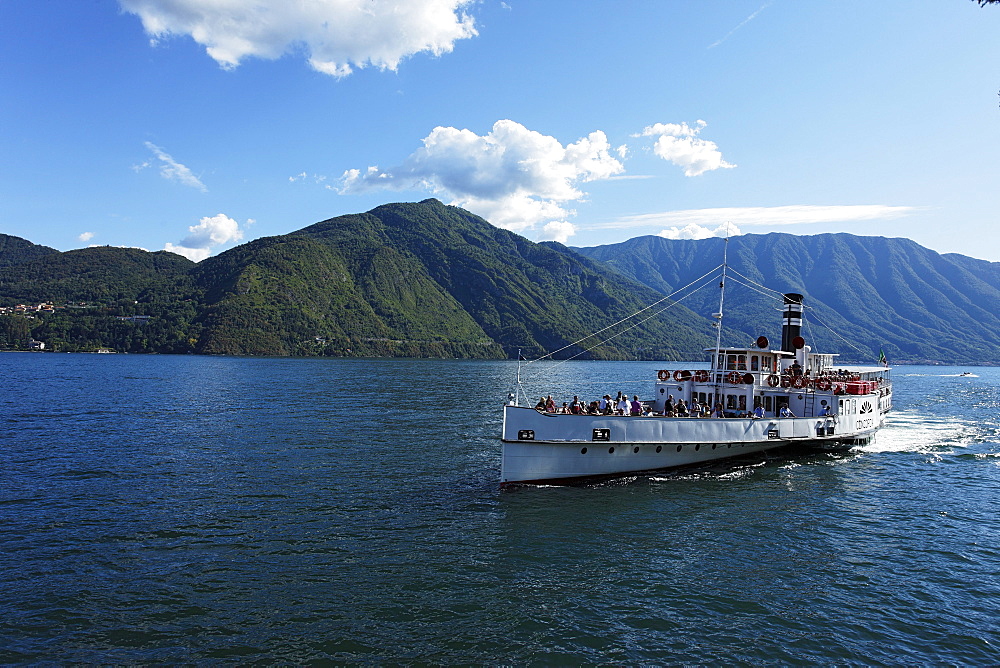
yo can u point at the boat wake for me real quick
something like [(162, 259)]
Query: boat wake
[(918, 432)]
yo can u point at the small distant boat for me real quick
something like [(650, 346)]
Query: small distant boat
[(966, 374), (763, 399)]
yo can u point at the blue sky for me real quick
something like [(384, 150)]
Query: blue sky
[(195, 125)]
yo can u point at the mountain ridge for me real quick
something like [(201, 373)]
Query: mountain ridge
[(429, 280)]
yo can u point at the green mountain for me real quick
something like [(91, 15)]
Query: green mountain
[(429, 280), (861, 293), (15, 250), (420, 279)]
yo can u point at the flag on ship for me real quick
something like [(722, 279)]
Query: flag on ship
[(881, 358)]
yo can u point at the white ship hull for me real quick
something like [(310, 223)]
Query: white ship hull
[(546, 448)]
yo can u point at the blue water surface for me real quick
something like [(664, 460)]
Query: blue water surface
[(159, 509)]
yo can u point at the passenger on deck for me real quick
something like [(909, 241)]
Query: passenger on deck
[(826, 412), (669, 406), (550, 405), (603, 406), (575, 407), (594, 408), (785, 412), (623, 407), (565, 408), (682, 409), (758, 412), (540, 406), (636, 405)]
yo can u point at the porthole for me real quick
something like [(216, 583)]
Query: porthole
[(713, 446), (659, 448), (583, 451), (635, 450), (679, 447), (611, 450), (697, 447)]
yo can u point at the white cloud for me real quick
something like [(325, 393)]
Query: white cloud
[(695, 231), (209, 232), (172, 170), (557, 230), (679, 144), (514, 177), (86, 236), (335, 35), (762, 215), (301, 176)]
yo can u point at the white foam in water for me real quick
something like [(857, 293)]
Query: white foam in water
[(917, 432)]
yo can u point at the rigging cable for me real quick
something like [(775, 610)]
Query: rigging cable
[(864, 352), (652, 315), (577, 342)]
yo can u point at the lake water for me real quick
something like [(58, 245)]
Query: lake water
[(199, 509)]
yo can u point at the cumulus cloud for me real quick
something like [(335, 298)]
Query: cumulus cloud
[(758, 216), (335, 35), (86, 236), (211, 231), (172, 170), (557, 230), (514, 177), (695, 231), (679, 143)]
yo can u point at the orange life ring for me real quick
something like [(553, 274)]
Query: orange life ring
[(823, 384), (799, 381), (663, 374), (735, 377), (701, 376), (682, 375), (773, 380)]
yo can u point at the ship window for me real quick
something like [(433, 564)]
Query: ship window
[(768, 403), (743, 402), (731, 401), (741, 362), (754, 363), (731, 363), (765, 363)]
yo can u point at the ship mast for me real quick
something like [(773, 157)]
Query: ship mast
[(718, 316)]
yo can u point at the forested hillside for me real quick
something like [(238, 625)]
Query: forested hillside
[(425, 279), (421, 279), (915, 304)]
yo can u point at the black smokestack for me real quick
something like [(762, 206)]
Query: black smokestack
[(791, 321)]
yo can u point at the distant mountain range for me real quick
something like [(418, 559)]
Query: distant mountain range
[(424, 279), (872, 292)]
